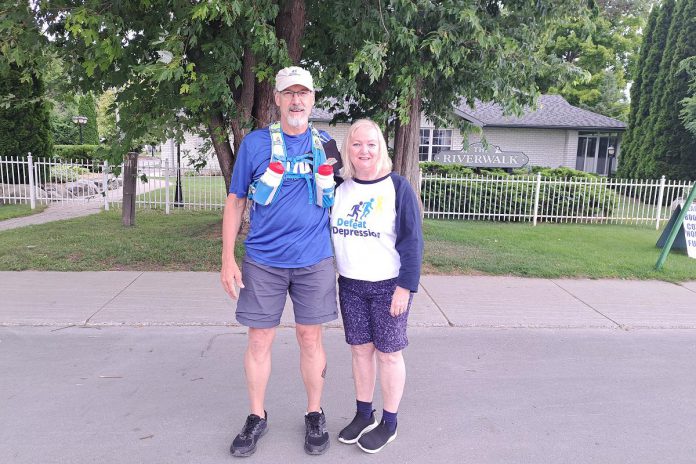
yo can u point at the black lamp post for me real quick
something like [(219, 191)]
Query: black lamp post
[(178, 194), (80, 121), (610, 152)]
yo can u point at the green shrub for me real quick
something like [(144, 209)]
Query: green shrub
[(24, 119), (473, 194), (564, 173), (451, 170), (75, 152), (66, 173)]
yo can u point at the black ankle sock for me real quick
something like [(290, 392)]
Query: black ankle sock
[(364, 408), (389, 419)]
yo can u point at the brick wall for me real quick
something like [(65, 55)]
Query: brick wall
[(543, 147)]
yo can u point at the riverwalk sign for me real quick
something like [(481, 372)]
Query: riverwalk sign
[(480, 156), (684, 223)]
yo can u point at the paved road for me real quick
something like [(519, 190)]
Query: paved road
[(146, 368)]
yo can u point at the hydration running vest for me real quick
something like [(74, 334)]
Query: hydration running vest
[(279, 153)]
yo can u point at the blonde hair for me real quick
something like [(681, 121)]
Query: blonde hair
[(384, 164)]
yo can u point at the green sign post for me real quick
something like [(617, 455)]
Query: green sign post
[(675, 228)]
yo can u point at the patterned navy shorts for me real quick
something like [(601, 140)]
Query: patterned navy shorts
[(365, 310)]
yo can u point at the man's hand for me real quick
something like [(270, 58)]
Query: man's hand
[(231, 278), (399, 302), (230, 275)]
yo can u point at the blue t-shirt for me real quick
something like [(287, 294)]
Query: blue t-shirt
[(290, 232)]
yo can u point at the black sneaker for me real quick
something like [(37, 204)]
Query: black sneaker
[(316, 436), (358, 426), (376, 439), (244, 444)]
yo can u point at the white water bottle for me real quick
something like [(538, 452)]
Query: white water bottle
[(325, 186), (268, 183)]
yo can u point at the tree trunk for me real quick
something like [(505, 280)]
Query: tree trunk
[(254, 100), (221, 143), (265, 110), (244, 99), (406, 140), (289, 28)]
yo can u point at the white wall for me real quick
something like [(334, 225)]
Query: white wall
[(189, 148), (337, 132)]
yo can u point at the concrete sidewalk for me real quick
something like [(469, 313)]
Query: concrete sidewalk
[(147, 367), (197, 299), (55, 212)]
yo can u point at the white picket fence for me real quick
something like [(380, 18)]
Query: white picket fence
[(68, 183), (535, 198), (497, 198)]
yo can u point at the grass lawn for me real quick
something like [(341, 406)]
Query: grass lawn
[(550, 250), (190, 241), (196, 191), (11, 211)]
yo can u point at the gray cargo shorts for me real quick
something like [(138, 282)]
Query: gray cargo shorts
[(312, 290)]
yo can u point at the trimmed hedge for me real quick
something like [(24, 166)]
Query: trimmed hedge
[(75, 152)]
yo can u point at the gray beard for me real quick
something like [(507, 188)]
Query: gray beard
[(297, 122)]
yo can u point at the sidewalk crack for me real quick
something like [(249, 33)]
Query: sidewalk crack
[(685, 288), (436, 305), (620, 326), (113, 298)]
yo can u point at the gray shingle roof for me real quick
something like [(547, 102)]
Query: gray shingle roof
[(319, 114), (553, 112)]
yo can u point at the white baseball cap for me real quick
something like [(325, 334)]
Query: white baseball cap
[(293, 75)]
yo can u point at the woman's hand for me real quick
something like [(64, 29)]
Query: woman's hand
[(399, 303)]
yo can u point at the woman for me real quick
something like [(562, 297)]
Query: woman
[(376, 230)]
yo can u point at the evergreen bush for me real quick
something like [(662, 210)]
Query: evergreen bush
[(24, 122)]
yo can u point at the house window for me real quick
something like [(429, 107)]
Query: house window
[(432, 141)]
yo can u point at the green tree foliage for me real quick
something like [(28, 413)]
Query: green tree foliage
[(674, 151), (647, 69), (605, 45), (22, 46), (63, 130), (402, 57), (24, 123), (660, 144), (106, 117), (24, 111), (178, 64), (215, 59), (688, 112), (88, 108)]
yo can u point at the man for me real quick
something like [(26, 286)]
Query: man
[(288, 250)]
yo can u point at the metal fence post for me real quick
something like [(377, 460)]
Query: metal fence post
[(32, 191), (166, 186), (105, 184), (536, 198), (659, 203)]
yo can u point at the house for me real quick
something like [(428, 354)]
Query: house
[(556, 134)]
